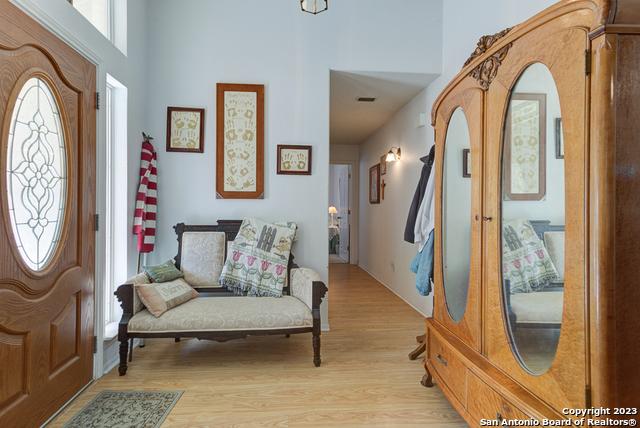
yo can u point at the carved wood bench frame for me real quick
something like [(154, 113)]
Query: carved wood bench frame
[(124, 293)]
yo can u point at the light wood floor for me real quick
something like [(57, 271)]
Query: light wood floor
[(365, 379)]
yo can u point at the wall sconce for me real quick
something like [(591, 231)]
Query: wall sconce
[(394, 154), (332, 211)]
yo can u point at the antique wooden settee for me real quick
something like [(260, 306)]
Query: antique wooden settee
[(216, 314)]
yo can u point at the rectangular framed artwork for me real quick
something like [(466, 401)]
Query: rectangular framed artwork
[(374, 184), (524, 160), (466, 163), (294, 160), (240, 141), (559, 139), (185, 129)]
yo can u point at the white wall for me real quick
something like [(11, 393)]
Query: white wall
[(194, 44), (383, 252), (464, 22)]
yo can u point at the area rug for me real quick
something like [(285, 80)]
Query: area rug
[(131, 409)]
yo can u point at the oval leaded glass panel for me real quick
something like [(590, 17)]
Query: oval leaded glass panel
[(36, 173)]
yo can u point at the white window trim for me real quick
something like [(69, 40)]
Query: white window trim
[(115, 197)]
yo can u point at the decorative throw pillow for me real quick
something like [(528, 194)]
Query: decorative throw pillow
[(202, 258), (258, 259), (159, 297), (554, 242), (525, 261), (165, 272)]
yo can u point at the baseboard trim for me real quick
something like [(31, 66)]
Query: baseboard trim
[(394, 292)]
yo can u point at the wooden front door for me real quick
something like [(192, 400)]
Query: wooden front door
[(47, 206)]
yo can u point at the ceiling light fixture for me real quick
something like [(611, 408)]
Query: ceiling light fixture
[(314, 7)]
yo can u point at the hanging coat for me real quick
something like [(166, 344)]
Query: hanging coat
[(144, 218), (422, 266), (418, 197)]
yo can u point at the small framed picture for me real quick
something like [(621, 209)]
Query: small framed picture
[(466, 163), (383, 164), (294, 160), (559, 139), (185, 129), (374, 184)]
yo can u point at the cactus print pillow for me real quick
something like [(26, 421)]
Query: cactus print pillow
[(525, 261), (257, 260)]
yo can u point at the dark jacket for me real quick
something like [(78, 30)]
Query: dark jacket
[(419, 195)]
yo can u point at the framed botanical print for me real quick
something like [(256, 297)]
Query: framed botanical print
[(294, 160), (240, 141), (524, 160), (185, 129), (374, 184)]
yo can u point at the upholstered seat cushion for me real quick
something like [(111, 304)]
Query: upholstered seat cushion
[(542, 307), (226, 314)]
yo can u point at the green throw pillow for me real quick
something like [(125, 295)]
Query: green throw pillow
[(163, 273)]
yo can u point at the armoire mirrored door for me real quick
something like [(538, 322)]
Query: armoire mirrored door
[(535, 194), (458, 213)]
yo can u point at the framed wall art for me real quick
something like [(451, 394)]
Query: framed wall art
[(559, 139), (294, 160), (240, 141), (466, 163), (374, 184), (185, 129), (525, 148)]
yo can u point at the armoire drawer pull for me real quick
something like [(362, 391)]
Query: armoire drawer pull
[(487, 218), (441, 359), (499, 417)]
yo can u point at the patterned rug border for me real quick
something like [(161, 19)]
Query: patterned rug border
[(178, 395)]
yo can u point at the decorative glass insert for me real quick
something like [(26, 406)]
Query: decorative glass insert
[(36, 173)]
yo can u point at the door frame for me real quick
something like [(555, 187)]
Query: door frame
[(354, 198), (52, 25)]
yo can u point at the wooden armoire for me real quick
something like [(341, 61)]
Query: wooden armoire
[(537, 239)]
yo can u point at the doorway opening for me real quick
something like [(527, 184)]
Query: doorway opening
[(339, 213)]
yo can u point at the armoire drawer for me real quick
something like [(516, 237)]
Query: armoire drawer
[(488, 404), (450, 369)]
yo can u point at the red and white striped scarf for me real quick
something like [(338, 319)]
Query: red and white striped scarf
[(144, 218)]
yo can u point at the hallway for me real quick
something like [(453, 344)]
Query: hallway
[(365, 379)]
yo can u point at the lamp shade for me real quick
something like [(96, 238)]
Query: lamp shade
[(333, 210), (393, 154)]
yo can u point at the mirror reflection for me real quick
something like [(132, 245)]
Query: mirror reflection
[(533, 218), (456, 215)]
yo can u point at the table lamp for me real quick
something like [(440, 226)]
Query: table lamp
[(332, 211)]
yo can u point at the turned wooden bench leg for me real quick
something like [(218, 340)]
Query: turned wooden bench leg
[(316, 350), (124, 350)]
